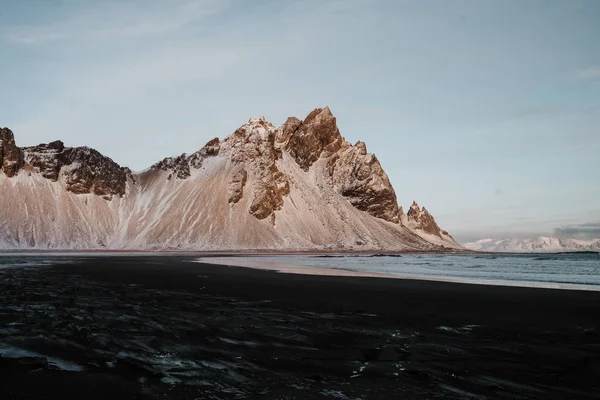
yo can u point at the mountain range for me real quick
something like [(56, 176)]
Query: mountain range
[(300, 186), (539, 244)]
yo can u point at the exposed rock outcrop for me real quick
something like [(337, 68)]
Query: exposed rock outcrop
[(253, 145), (355, 174), (318, 135), (421, 219), (235, 187), (210, 149), (11, 157), (179, 167), (358, 176), (84, 170)]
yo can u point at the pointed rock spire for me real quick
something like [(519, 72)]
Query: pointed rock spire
[(11, 157), (422, 220)]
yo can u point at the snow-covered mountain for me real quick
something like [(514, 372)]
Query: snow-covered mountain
[(299, 186), (540, 244)]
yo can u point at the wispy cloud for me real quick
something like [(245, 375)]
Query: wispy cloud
[(592, 73), (35, 36), (182, 61), (110, 20), (535, 112), (590, 230)]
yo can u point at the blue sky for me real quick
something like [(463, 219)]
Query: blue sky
[(486, 112)]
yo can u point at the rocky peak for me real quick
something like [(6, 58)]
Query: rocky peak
[(179, 167), (414, 209), (83, 169), (253, 140), (7, 137), (358, 176), (421, 219), (285, 131), (355, 174), (257, 146), (308, 140), (176, 166), (253, 146), (11, 157)]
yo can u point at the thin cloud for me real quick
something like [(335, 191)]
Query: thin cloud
[(592, 73), (33, 36), (589, 230), (536, 112), (238, 54), (108, 20)]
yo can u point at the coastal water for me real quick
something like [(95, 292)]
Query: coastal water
[(567, 269)]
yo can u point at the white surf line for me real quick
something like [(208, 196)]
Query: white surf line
[(16, 352), (324, 271)]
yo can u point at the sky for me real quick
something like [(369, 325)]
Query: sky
[(487, 112)]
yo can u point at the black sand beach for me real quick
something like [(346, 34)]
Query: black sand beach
[(150, 327)]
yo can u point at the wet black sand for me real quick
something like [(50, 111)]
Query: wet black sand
[(162, 327)]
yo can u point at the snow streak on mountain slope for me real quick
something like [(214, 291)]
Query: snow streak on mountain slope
[(540, 244), (301, 186)]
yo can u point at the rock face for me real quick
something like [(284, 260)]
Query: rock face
[(11, 157), (235, 187), (301, 184), (422, 220), (318, 135), (358, 176), (355, 174), (179, 167), (84, 170), (253, 145)]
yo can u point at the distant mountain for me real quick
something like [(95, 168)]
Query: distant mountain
[(540, 244), (299, 186)]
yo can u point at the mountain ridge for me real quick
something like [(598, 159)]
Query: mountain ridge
[(298, 186), (538, 244)]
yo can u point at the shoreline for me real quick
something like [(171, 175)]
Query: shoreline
[(270, 252), (236, 258), (254, 252), (324, 271)]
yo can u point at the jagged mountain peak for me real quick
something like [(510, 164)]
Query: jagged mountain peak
[(80, 169), (420, 219), (316, 134), (258, 120), (6, 135), (261, 186), (11, 157)]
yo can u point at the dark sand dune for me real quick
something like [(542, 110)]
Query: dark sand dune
[(162, 327)]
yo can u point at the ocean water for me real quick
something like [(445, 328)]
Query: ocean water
[(560, 269)]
